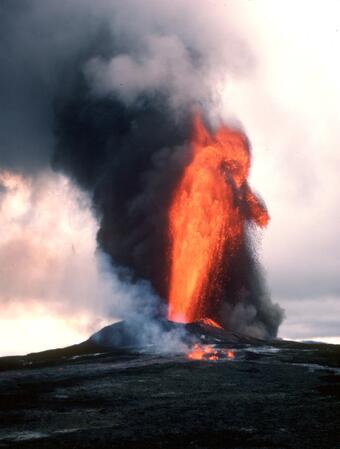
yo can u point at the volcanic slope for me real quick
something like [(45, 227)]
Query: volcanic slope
[(277, 395)]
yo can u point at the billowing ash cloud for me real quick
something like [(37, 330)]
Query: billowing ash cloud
[(106, 91), (130, 159)]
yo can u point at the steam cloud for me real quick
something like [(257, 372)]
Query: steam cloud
[(105, 92)]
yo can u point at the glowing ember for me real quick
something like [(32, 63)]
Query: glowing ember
[(207, 352), (207, 217)]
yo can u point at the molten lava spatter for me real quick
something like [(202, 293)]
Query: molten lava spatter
[(207, 352), (207, 219)]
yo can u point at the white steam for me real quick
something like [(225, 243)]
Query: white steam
[(164, 66), (54, 281)]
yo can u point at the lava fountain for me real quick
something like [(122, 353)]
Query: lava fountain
[(207, 220)]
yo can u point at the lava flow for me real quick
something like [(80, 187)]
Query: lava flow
[(206, 221), (207, 352)]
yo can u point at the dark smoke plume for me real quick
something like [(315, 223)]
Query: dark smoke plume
[(129, 158), (111, 89)]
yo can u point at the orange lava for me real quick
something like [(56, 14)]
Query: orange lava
[(206, 219), (207, 352), (210, 322)]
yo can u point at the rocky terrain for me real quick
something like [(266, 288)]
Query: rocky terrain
[(277, 395)]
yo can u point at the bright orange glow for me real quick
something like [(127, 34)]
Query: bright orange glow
[(210, 322), (206, 219), (207, 352)]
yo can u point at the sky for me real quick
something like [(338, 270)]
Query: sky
[(284, 90)]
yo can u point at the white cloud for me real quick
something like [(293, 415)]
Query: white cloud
[(51, 291)]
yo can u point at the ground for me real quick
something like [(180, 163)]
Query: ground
[(286, 395)]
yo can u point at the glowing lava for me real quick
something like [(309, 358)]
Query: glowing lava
[(207, 217), (210, 322), (207, 352)]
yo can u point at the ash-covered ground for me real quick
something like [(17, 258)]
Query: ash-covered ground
[(277, 395)]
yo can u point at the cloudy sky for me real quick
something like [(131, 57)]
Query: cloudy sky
[(280, 81), (290, 110)]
